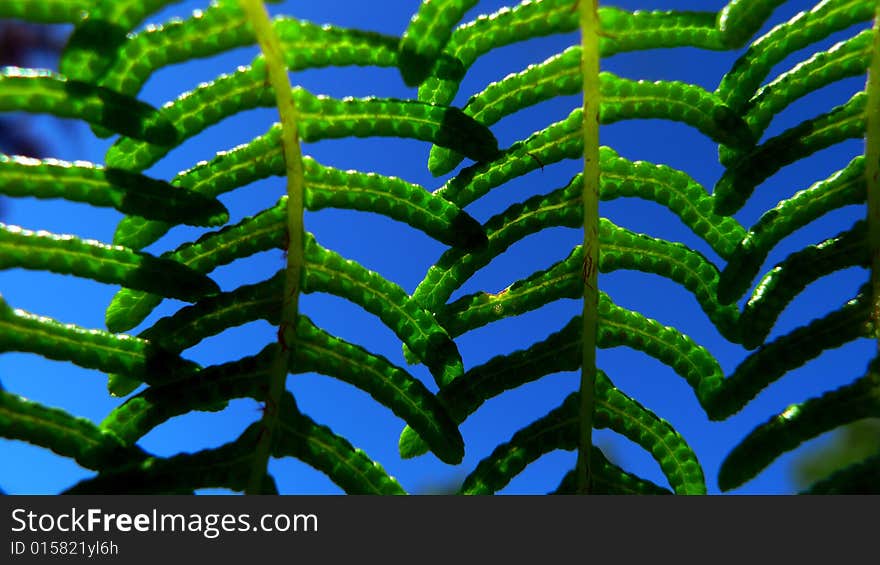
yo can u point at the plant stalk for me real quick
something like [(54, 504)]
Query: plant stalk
[(872, 171), (589, 24), (276, 71)]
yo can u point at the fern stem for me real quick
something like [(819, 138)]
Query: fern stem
[(589, 24), (872, 171), (276, 71)]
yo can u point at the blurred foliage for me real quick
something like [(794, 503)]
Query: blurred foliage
[(25, 45), (848, 445)]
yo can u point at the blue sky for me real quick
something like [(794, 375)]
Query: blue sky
[(403, 255)]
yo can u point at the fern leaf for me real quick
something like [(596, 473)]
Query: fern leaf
[(672, 100), (621, 327), (211, 316), (562, 140), (45, 11), (623, 249), (617, 411), (741, 19), (608, 478), (621, 99), (427, 35), (43, 91), (787, 279), (327, 187), (797, 424), (327, 271), (625, 31), (741, 83), (219, 28), (391, 386), (258, 233), (92, 184), (559, 352), (558, 430), (843, 188), (788, 352), (210, 389), (70, 255), (636, 31), (739, 181), (94, 44), (508, 25), (673, 189), (55, 429), (562, 280), (318, 446), (321, 117), (226, 466), (92, 349), (844, 59), (561, 207)]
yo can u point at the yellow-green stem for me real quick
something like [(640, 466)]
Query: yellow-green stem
[(872, 172), (589, 23), (276, 70)]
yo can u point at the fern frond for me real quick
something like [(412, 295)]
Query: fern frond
[(787, 279), (57, 430), (94, 44), (261, 232), (788, 352), (562, 140), (844, 59), (562, 207), (113, 188), (70, 255), (325, 187), (827, 17), (327, 271), (621, 99), (620, 413), (92, 349), (559, 352), (328, 187), (622, 249), (843, 188), (642, 29), (562, 280), (797, 424), (741, 19), (608, 478), (558, 430), (211, 316), (209, 389), (508, 25), (623, 31), (321, 117), (45, 11), (739, 181), (388, 384), (621, 327), (673, 189), (45, 92), (226, 466), (350, 468), (427, 35)]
